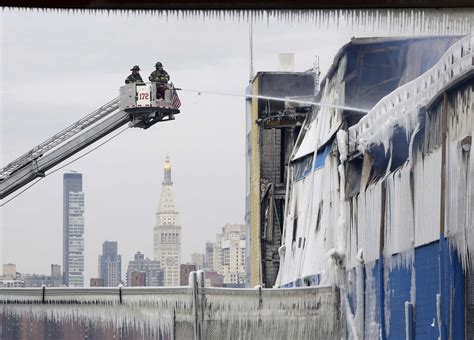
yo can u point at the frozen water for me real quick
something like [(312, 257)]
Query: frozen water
[(430, 21)]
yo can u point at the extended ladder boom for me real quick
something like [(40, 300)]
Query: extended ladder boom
[(138, 104), (37, 166)]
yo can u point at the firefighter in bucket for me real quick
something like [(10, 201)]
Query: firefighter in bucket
[(161, 78)]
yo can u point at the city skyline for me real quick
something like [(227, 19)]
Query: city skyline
[(109, 269)]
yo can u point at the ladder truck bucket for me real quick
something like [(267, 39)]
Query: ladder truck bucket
[(149, 103)]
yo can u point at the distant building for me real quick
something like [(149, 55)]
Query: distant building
[(9, 271), (151, 269), (16, 283), (96, 282), (217, 254), (213, 279), (73, 230), (56, 277), (198, 260), (184, 271), (12, 279), (36, 280), (167, 231), (137, 279), (209, 256), (110, 264), (233, 245)]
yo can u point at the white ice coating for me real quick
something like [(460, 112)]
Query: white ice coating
[(318, 198), (298, 313), (438, 313), (351, 324), (427, 180), (459, 219), (301, 313), (314, 201), (364, 225), (318, 201), (359, 315), (399, 222), (372, 326), (150, 308), (341, 231), (401, 106)]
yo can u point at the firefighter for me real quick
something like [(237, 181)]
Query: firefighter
[(135, 76), (161, 78)]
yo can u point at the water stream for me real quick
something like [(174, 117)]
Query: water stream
[(280, 99)]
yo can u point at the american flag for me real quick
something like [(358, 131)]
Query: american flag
[(175, 102)]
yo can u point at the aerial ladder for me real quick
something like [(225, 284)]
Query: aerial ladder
[(140, 105)]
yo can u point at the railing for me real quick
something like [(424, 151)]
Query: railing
[(185, 312), (401, 106), (60, 137)]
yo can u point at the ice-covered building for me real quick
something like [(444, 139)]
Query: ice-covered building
[(380, 204)]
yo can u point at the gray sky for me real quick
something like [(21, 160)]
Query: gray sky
[(58, 67)]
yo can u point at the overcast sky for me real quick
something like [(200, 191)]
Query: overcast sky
[(57, 67)]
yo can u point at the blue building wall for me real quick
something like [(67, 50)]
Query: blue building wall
[(396, 294), (427, 287), (452, 293), (437, 271)]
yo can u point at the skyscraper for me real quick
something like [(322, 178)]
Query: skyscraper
[(167, 231), (73, 230), (110, 264)]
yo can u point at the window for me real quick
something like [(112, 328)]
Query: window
[(321, 157), (320, 212), (302, 167), (295, 228)]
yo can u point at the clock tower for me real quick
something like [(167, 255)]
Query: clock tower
[(167, 231)]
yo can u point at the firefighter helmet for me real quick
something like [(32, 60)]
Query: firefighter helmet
[(135, 68), (158, 64)]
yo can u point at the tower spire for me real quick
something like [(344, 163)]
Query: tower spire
[(167, 172)]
